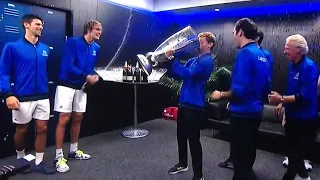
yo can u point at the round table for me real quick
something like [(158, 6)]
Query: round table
[(135, 132)]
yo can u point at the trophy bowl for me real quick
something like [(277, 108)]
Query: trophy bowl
[(185, 41)]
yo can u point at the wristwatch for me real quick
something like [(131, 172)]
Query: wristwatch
[(221, 94)]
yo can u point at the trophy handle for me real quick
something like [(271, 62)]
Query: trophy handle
[(154, 63)]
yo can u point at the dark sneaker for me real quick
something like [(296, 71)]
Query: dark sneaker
[(196, 178), (26, 171), (226, 164), (178, 168), (288, 176), (44, 169), (79, 155)]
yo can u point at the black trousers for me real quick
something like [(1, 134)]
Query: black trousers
[(299, 138), (188, 129), (244, 132)]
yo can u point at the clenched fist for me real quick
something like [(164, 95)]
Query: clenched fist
[(216, 95), (92, 79), (12, 103)]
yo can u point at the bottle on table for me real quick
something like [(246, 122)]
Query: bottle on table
[(137, 73), (144, 76), (125, 72), (129, 72)]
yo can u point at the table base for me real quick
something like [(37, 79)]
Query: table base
[(135, 133)]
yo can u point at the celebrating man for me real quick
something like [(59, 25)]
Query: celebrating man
[(191, 113), (300, 104), (250, 84), (228, 163), (24, 63), (79, 59)]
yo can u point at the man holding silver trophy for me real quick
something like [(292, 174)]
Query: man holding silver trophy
[(195, 74)]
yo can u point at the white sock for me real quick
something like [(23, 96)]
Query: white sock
[(59, 153), (73, 147), (20, 154), (39, 158)]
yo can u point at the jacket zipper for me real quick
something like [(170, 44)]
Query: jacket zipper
[(35, 84)]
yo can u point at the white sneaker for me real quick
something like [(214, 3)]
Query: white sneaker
[(61, 165), (285, 162), (308, 165)]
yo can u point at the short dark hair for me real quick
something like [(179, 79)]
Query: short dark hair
[(260, 36), (28, 18), (248, 27), (89, 26)]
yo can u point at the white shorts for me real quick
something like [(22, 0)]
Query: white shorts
[(69, 100), (39, 110)]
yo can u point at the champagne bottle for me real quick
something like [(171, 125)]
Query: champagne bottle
[(129, 72), (144, 77), (141, 77), (137, 75), (125, 72)]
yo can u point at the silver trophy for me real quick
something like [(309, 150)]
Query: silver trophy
[(185, 40)]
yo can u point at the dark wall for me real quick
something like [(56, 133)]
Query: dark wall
[(131, 33), (277, 23), (145, 30)]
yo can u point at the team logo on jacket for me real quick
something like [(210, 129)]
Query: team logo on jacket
[(296, 76), (263, 59), (94, 53), (44, 53)]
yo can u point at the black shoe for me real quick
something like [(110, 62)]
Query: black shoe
[(288, 176), (252, 176), (196, 178), (177, 168), (226, 164), (26, 171), (44, 169)]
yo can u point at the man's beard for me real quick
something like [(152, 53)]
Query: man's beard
[(37, 35)]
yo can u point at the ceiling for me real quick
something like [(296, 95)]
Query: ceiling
[(167, 5)]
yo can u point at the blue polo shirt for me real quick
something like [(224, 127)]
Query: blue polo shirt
[(303, 83), (250, 82)]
